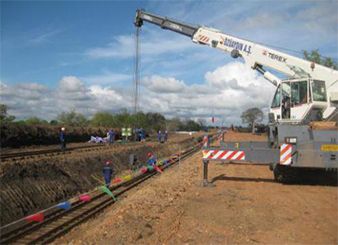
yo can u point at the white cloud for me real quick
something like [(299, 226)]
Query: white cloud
[(107, 78), (226, 93), (42, 37), (163, 84), (71, 84), (151, 43)]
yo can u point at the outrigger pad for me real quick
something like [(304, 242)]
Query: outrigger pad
[(206, 183)]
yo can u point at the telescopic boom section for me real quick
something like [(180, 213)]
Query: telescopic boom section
[(165, 23)]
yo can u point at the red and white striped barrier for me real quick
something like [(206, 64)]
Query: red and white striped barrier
[(223, 155), (285, 154), (203, 39)]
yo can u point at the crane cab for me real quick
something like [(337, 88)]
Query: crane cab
[(297, 100)]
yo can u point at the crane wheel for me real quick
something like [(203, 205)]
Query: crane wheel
[(284, 174)]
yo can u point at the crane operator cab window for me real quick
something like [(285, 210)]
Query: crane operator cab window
[(293, 97), (319, 91), (276, 98), (299, 93), (286, 100)]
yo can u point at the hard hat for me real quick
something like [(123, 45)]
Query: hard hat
[(149, 154), (63, 129), (108, 162)]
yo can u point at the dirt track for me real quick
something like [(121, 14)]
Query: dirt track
[(246, 206)]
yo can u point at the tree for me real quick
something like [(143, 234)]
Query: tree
[(156, 120), (53, 122), (202, 122), (4, 117), (251, 116), (123, 119), (35, 121), (72, 119), (140, 121), (174, 124), (316, 57), (192, 126), (104, 119)]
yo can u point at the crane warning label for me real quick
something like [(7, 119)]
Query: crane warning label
[(330, 147)]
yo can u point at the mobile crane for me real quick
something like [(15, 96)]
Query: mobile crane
[(310, 93)]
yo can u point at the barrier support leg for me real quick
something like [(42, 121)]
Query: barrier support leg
[(205, 182)]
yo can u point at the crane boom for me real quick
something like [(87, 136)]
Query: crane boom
[(258, 55), (165, 23)]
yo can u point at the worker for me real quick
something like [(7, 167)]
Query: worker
[(139, 135), (286, 107), (142, 135), (159, 134), (166, 135), (133, 162), (62, 136), (107, 172), (111, 136), (151, 159)]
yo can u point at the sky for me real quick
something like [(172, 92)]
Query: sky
[(59, 56)]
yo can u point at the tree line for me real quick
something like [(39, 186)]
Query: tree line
[(147, 121)]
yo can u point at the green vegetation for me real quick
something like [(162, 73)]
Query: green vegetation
[(4, 117), (148, 121), (35, 121), (72, 119), (316, 57)]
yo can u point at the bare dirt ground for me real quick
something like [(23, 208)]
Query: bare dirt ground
[(245, 207)]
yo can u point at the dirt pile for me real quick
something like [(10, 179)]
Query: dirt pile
[(31, 185), (15, 135)]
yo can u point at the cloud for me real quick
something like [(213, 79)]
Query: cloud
[(152, 43), (72, 88), (107, 78), (31, 99), (71, 84), (321, 17), (164, 84), (226, 92), (43, 37)]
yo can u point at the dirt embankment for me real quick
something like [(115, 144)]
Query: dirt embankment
[(13, 135), (246, 206), (34, 184)]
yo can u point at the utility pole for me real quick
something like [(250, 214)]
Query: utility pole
[(136, 70), (136, 78)]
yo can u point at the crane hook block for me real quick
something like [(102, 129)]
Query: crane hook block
[(138, 20)]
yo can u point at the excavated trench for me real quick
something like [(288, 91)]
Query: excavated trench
[(31, 185)]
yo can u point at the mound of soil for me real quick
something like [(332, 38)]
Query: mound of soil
[(14, 135)]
